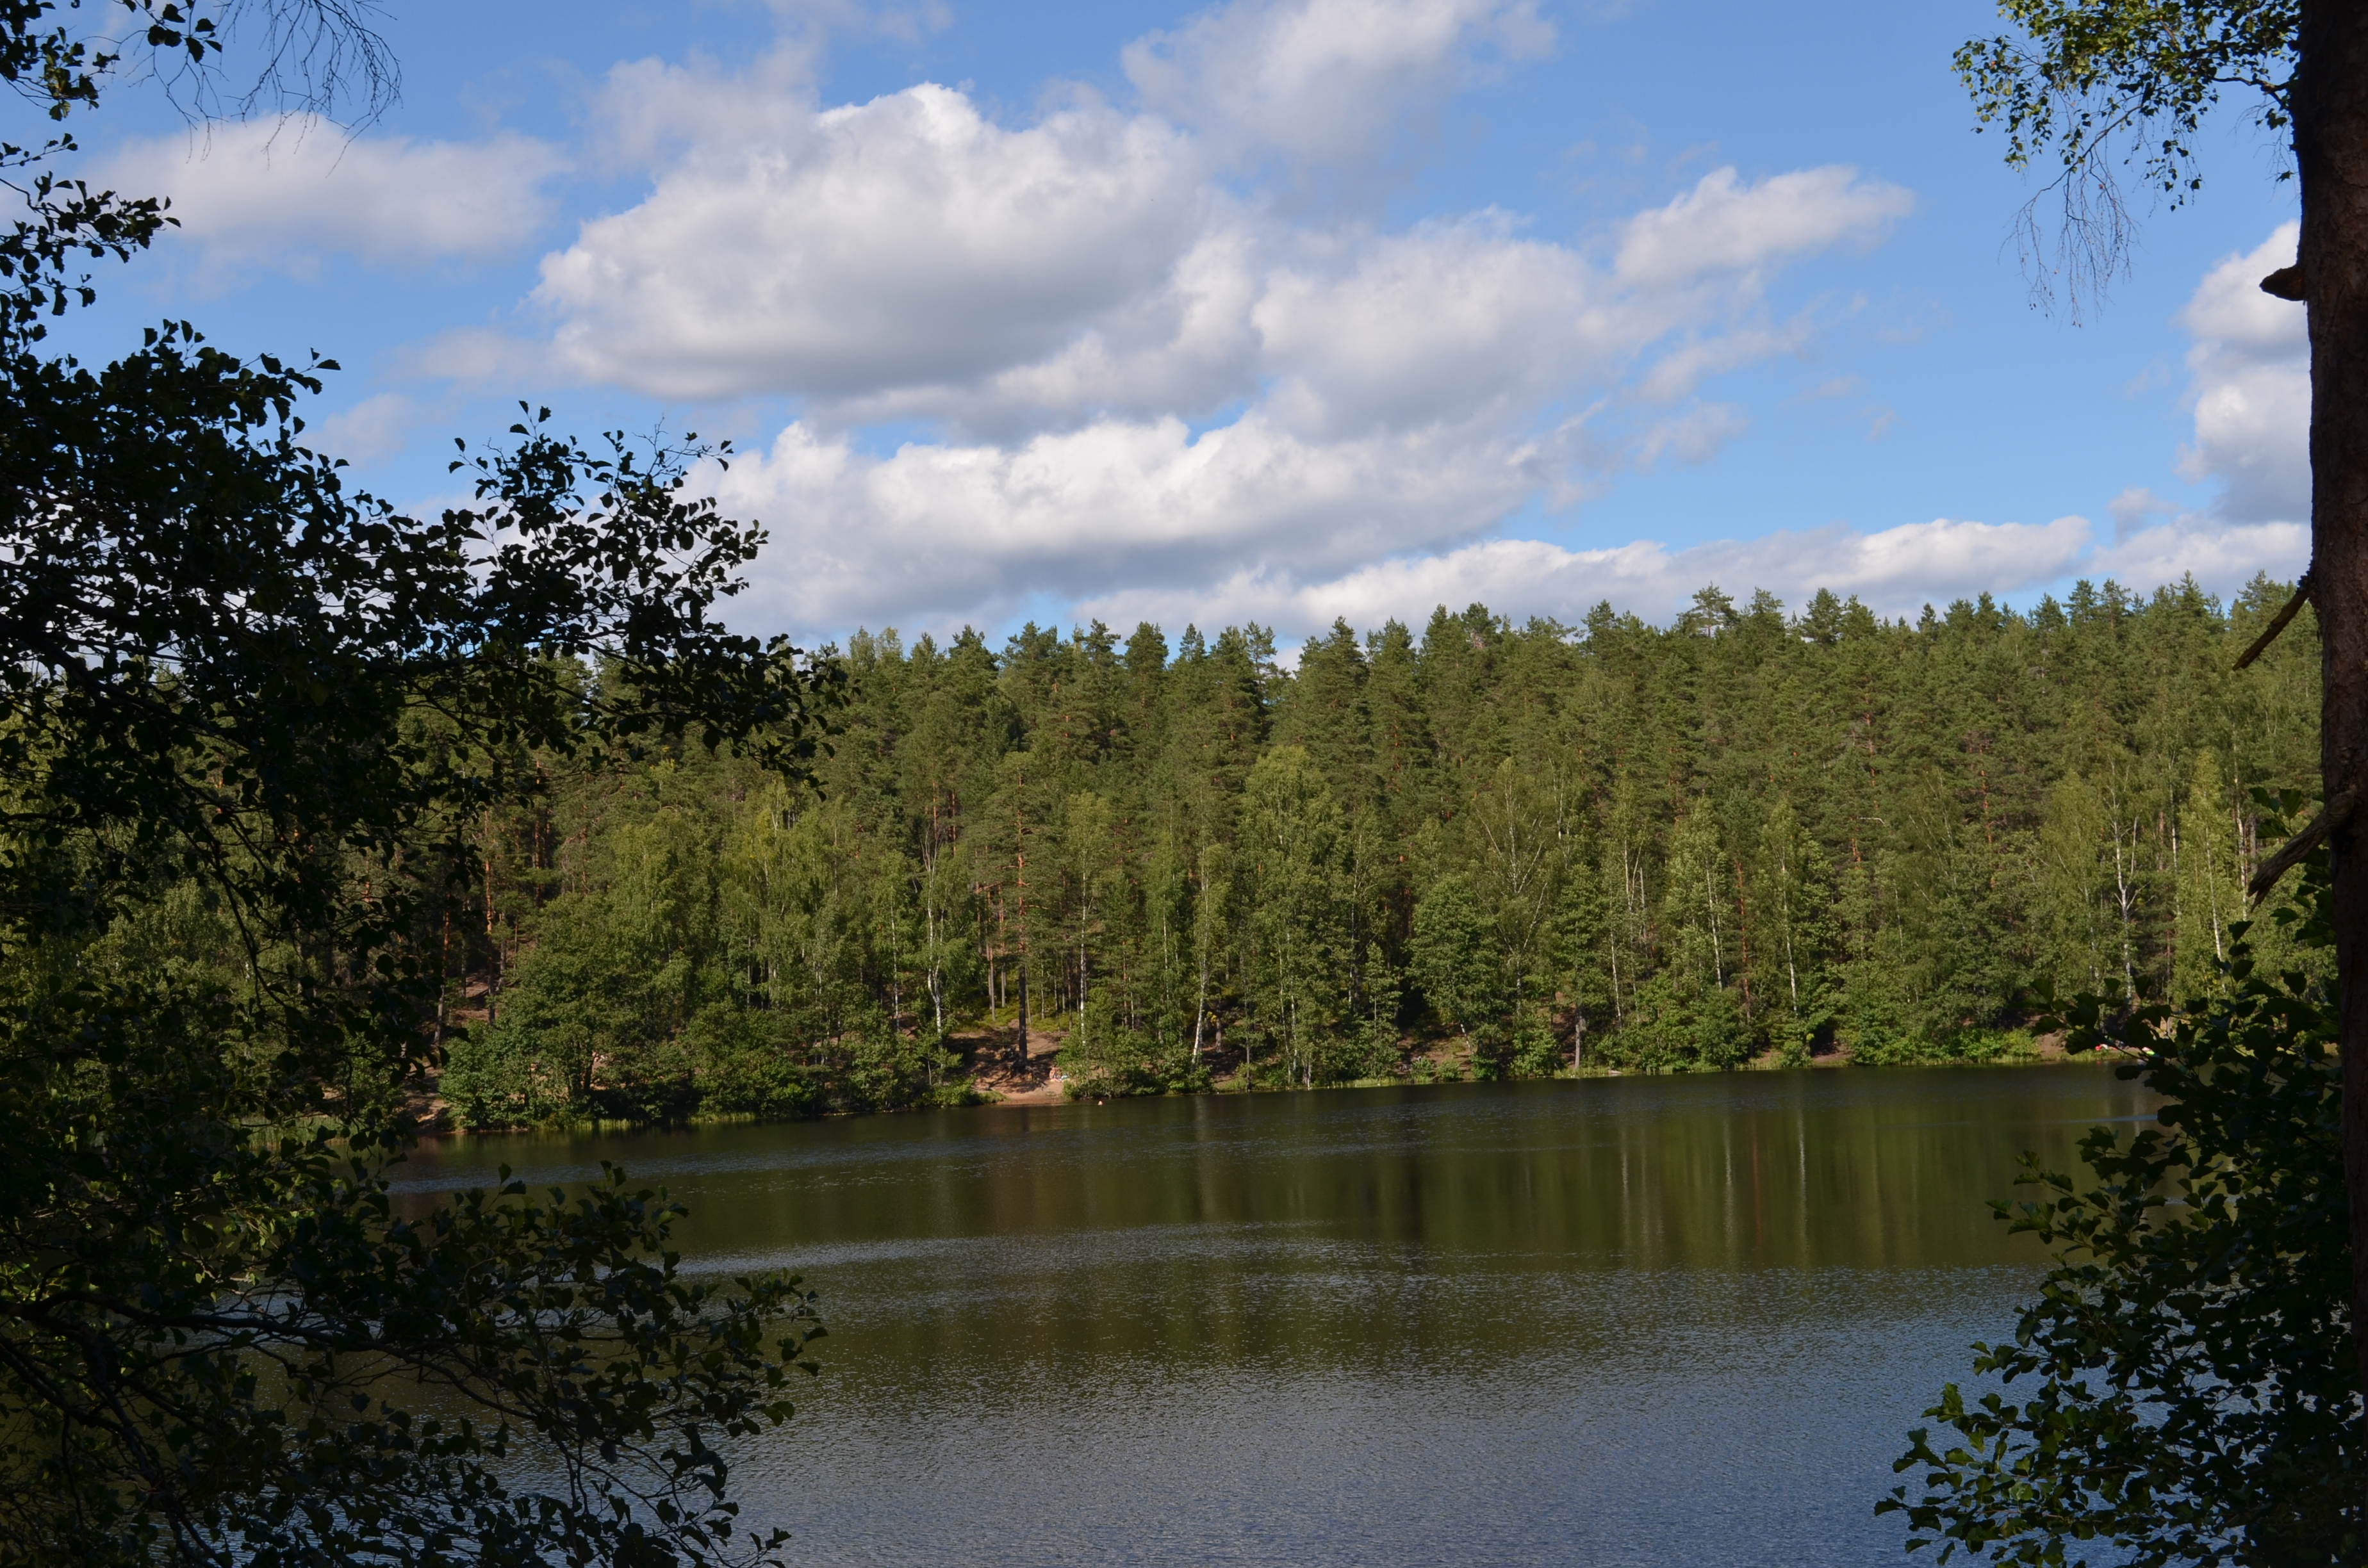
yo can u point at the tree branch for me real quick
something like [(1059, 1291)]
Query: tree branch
[(2300, 846), (2277, 623)]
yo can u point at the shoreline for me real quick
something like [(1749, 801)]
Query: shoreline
[(1055, 1089)]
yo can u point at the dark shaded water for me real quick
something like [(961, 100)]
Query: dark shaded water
[(1613, 1321)]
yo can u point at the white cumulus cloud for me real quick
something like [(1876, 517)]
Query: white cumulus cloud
[(2249, 388), (1894, 571), (2250, 384), (934, 533), (1725, 224), (911, 258), (285, 193), (1453, 322), (1325, 83), (1402, 394), (2223, 556), (376, 426), (1125, 357), (904, 241)]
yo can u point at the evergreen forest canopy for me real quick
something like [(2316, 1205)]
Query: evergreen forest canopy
[(1493, 849)]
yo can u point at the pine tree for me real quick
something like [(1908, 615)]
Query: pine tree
[(1738, 834), (1293, 844), (1454, 962)]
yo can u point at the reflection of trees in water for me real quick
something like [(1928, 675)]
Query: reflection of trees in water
[(1469, 1219)]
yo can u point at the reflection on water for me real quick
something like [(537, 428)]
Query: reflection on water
[(1632, 1320)]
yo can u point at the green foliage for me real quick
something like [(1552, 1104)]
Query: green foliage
[(2097, 81), (1453, 963), (1796, 896), (2184, 1388), (1291, 856), (726, 958), (255, 729), (2148, 69), (1753, 835), (1104, 1058), (370, 1388)]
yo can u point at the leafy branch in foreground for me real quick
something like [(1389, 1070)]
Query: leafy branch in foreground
[(2102, 82), (248, 717), (249, 722), (503, 1380), (2192, 1395)]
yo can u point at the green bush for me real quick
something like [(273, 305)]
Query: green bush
[(2184, 1388)]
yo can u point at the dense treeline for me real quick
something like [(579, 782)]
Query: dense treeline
[(1487, 849)]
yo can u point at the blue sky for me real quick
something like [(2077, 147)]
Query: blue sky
[(1275, 310)]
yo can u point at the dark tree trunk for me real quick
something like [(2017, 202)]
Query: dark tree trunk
[(1022, 1030), (2331, 124)]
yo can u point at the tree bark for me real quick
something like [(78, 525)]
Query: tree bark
[(2331, 126)]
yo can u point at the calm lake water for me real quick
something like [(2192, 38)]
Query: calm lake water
[(1649, 1321)]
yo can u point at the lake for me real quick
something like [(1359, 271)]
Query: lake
[(1647, 1321)]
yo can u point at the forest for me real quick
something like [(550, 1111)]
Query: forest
[(1487, 849)]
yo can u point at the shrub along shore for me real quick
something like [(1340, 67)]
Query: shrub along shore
[(1755, 835)]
